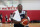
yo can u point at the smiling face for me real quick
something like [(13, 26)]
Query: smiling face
[(19, 7)]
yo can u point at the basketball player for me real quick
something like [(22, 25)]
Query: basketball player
[(23, 14)]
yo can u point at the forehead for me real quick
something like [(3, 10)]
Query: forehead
[(19, 5)]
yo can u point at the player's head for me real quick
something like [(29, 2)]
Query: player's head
[(20, 7)]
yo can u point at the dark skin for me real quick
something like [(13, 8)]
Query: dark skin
[(20, 10)]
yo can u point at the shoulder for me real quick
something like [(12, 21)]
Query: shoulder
[(24, 11)]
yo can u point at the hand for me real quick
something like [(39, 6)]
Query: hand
[(16, 22)]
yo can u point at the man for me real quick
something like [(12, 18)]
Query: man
[(6, 17), (23, 14), (1, 17), (11, 16)]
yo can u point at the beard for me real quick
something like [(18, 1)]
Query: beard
[(20, 10)]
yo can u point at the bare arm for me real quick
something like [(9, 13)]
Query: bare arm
[(26, 16)]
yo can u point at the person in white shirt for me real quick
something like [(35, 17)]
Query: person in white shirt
[(23, 14), (11, 16)]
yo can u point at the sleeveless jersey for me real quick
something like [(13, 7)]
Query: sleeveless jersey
[(22, 14)]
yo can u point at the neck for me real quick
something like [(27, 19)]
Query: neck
[(20, 11)]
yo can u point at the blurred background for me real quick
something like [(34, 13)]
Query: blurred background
[(31, 6)]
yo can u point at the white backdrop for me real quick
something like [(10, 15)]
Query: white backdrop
[(31, 5), (28, 5)]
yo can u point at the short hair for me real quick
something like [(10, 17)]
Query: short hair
[(19, 5)]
